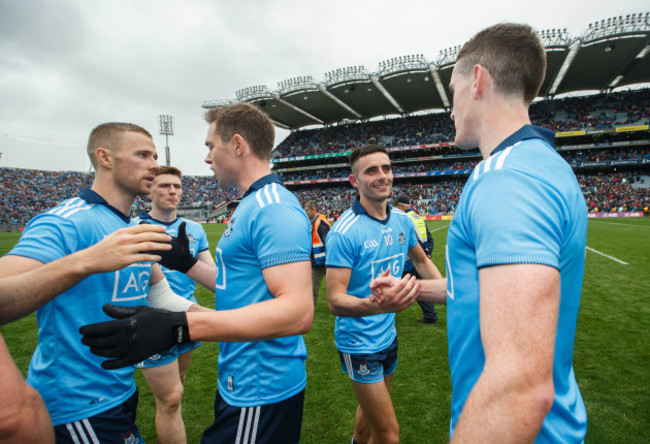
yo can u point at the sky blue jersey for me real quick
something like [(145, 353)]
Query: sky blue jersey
[(268, 228), (369, 247), (63, 370), (522, 205), (179, 282)]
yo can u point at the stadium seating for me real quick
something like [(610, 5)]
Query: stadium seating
[(603, 137)]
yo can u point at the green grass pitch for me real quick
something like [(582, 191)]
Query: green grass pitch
[(612, 355)]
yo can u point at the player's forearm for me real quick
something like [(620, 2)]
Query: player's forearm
[(26, 289), (343, 304), (427, 269), (270, 319), (28, 422), (204, 274), (23, 416), (504, 410), (433, 290)]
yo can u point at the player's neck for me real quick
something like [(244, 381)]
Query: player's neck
[(376, 209), (253, 172), (500, 124), (114, 196), (163, 215)]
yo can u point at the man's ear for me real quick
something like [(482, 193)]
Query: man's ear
[(104, 157), (238, 145), (481, 80), (353, 181)]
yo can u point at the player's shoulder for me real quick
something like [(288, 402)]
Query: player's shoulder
[(70, 209), (273, 194), (191, 223), (532, 157), (348, 221), (399, 214)]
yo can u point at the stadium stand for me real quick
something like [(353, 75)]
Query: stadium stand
[(604, 137)]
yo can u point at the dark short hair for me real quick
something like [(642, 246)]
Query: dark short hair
[(168, 170), (109, 135), (364, 150), (401, 199), (513, 55), (247, 121)]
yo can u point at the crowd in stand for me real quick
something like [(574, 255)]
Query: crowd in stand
[(573, 157), (577, 113), (25, 193), (604, 192), (618, 192)]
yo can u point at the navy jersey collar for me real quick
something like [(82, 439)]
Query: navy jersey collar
[(145, 215), (262, 182), (526, 132), (92, 197), (357, 208)]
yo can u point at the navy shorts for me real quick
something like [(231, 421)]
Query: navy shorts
[(369, 368), (114, 426), (270, 424)]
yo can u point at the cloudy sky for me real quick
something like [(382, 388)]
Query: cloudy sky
[(68, 65)]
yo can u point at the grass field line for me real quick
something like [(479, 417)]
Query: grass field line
[(618, 223), (607, 256), (440, 228)]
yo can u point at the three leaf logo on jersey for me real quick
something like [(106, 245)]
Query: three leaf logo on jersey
[(231, 222)]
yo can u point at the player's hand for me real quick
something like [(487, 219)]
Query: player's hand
[(394, 294), (125, 247), (138, 333), (179, 257)]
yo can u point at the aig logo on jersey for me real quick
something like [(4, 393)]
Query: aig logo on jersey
[(132, 283), (231, 222)]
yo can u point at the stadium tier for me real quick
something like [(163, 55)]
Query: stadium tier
[(605, 138), (610, 53)]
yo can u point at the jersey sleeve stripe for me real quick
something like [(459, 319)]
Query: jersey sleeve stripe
[(267, 195), (73, 203), (75, 210), (343, 220), (502, 158), (347, 227), (274, 188), (258, 196), (487, 164)]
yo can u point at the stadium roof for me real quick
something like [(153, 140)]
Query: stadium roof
[(610, 53)]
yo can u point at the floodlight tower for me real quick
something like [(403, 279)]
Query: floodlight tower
[(166, 124)]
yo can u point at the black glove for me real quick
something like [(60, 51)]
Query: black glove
[(179, 257), (138, 333)]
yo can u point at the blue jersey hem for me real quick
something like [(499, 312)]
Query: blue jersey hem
[(61, 420), (261, 401)]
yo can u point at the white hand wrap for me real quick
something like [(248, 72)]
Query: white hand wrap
[(161, 296)]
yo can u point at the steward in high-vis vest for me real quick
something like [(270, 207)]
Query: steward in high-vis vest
[(320, 226), (426, 242)]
